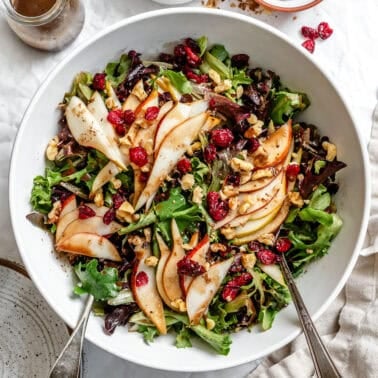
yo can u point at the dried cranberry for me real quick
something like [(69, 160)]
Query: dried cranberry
[(193, 45), (217, 208), (189, 267), (109, 216), (309, 33), (240, 60), (292, 171), (229, 293), (184, 165), (86, 212), (166, 58), (164, 97), (120, 129), (309, 44), (115, 117), (118, 200), (129, 117), (232, 288), (237, 266), (255, 246), (192, 58), (186, 98), (222, 137), (179, 51), (196, 77), (266, 256), (151, 113), (212, 103), (141, 279), (138, 156), (233, 179), (283, 245), (143, 177), (324, 30), (210, 153), (99, 82), (254, 144)]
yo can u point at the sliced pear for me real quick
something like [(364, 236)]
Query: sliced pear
[(93, 225), (107, 173), (91, 245), (170, 279), (275, 148), (138, 91), (146, 294), (267, 229), (164, 256), (88, 132), (171, 150), (112, 95), (210, 124), (254, 185), (197, 254), (131, 103), (198, 107), (68, 205), (98, 108), (203, 288), (273, 271), (151, 100)]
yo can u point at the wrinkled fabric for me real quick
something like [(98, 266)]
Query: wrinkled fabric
[(349, 57)]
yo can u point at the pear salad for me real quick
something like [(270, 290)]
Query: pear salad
[(173, 185)]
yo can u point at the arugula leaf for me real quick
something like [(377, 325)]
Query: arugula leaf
[(183, 338), (219, 52), (312, 215), (210, 61), (116, 72), (149, 333), (80, 87), (286, 105), (202, 44), (102, 285), (179, 81)]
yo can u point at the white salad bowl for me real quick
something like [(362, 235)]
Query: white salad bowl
[(151, 33)]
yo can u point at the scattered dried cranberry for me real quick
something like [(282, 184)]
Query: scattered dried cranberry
[(309, 44), (254, 144), (196, 77), (99, 82), (109, 216), (179, 51), (192, 58), (86, 212), (143, 177), (232, 288), (217, 208), (283, 245), (118, 200), (184, 165), (129, 117), (120, 129), (237, 266), (292, 171), (186, 98), (255, 246), (233, 179), (266, 256), (193, 45), (222, 137), (151, 113), (189, 267), (240, 60), (166, 58), (210, 153), (324, 30), (115, 117), (141, 279), (309, 32), (138, 156), (212, 103)]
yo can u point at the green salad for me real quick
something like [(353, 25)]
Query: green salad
[(174, 185)]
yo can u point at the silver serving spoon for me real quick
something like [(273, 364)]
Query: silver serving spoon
[(324, 366), (68, 363)]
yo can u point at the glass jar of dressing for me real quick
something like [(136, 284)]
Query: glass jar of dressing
[(45, 24)]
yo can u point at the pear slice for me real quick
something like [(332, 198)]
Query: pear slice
[(253, 185), (197, 254), (171, 150), (138, 91), (143, 285), (170, 279), (88, 132), (164, 256), (93, 225), (273, 271), (91, 245), (68, 205), (98, 108), (111, 94), (131, 103), (203, 289), (267, 229), (107, 173), (275, 148)]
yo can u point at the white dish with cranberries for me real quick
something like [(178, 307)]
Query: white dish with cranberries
[(170, 180)]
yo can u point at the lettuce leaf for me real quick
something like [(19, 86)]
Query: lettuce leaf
[(116, 72), (179, 81)]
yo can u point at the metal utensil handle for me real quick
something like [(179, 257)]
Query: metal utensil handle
[(68, 363), (324, 366)]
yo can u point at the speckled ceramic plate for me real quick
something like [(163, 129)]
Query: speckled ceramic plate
[(31, 335)]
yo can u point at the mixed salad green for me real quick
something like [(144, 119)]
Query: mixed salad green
[(174, 185)]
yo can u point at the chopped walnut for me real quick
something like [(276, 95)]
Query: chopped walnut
[(224, 86), (229, 191), (296, 199), (239, 165), (197, 195), (263, 173), (331, 150), (125, 212), (228, 232), (187, 181), (151, 261), (233, 203), (248, 260), (135, 240), (244, 207), (99, 198), (179, 304), (117, 183), (214, 76), (210, 324), (218, 247), (260, 155), (239, 91), (196, 146), (53, 215), (252, 119), (245, 177), (147, 234), (267, 239), (255, 130), (52, 148), (110, 104), (139, 91)]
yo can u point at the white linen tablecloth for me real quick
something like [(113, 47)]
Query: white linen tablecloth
[(350, 56)]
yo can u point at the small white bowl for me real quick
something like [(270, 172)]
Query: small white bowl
[(288, 5)]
